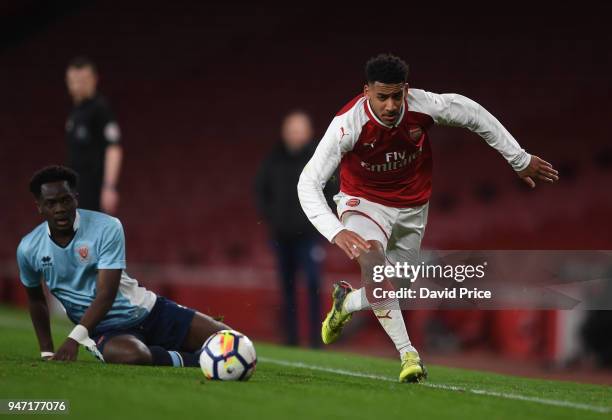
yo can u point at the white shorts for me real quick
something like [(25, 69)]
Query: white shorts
[(399, 230)]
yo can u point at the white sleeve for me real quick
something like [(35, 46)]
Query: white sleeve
[(458, 111), (315, 175)]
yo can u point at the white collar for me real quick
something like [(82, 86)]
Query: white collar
[(397, 122), (75, 225)]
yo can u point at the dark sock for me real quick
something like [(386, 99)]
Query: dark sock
[(163, 357), (191, 359)]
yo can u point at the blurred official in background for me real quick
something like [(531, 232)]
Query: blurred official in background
[(93, 137), (295, 241)]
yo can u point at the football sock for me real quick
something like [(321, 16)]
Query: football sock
[(389, 315), (356, 301), (163, 357)]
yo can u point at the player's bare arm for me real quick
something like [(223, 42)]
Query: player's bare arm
[(39, 312), (80, 255), (106, 292), (109, 196)]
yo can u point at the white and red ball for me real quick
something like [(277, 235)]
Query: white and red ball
[(228, 355)]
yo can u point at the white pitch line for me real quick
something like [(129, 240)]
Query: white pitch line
[(519, 397), (11, 322)]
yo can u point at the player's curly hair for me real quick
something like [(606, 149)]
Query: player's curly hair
[(386, 68), (53, 173)]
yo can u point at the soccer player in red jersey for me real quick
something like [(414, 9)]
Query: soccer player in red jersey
[(380, 141)]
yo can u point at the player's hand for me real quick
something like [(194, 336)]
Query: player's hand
[(351, 243), (68, 351), (109, 200), (538, 169)]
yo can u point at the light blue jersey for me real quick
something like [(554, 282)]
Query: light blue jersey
[(71, 272)]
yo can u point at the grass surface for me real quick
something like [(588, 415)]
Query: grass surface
[(288, 384)]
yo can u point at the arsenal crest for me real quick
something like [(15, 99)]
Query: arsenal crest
[(353, 202), (416, 133)]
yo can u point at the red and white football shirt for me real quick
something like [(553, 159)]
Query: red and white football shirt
[(392, 165)]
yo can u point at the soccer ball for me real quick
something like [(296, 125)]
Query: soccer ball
[(228, 355)]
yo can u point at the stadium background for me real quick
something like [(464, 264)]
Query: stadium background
[(200, 89)]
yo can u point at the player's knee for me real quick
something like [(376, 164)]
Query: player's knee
[(202, 326), (128, 352), (215, 323)]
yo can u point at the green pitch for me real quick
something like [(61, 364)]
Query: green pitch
[(288, 384)]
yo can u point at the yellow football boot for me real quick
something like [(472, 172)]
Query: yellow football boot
[(337, 317), (413, 369)]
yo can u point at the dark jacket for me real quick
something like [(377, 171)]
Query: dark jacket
[(276, 190)]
